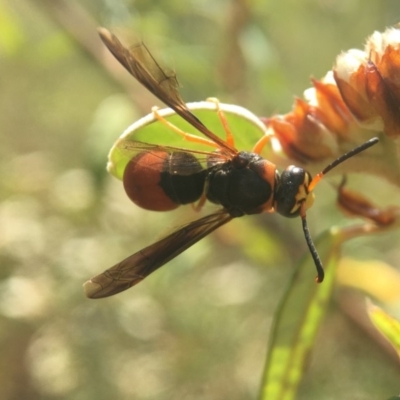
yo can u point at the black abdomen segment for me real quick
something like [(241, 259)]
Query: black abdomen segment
[(183, 178)]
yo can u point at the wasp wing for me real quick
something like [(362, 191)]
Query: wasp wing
[(136, 267), (126, 150), (130, 148), (139, 62)]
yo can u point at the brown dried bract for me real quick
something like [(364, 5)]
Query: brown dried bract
[(355, 205), (369, 82), (359, 97)]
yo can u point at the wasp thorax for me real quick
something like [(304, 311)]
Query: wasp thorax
[(292, 191), (243, 185)]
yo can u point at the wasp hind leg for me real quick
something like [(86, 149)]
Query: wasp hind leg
[(185, 135), (221, 115)]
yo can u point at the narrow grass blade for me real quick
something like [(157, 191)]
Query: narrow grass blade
[(297, 321), (388, 326)]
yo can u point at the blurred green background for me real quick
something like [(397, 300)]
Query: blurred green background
[(198, 328)]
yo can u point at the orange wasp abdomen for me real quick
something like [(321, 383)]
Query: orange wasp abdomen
[(162, 181)]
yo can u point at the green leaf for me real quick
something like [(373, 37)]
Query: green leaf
[(247, 129), (297, 321), (388, 326)]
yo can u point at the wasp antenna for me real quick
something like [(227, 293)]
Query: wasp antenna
[(350, 154), (317, 261), (339, 160)]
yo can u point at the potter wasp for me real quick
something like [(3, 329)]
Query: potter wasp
[(162, 178)]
